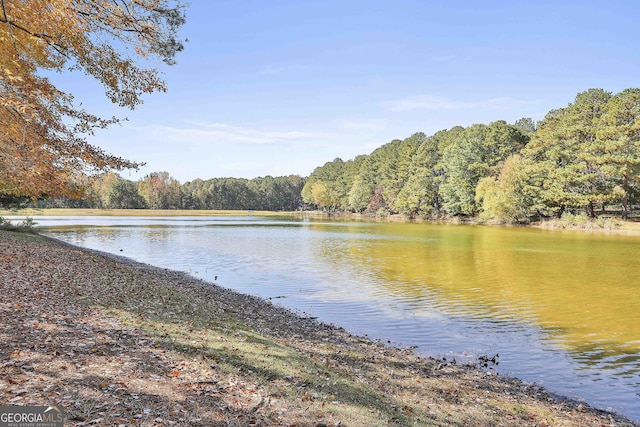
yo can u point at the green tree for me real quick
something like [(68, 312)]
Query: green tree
[(362, 185), (618, 152), (195, 194), (507, 198), (360, 194), (288, 190), (564, 153), (124, 195), (321, 196), (306, 193), (100, 188), (382, 175), (233, 193), (463, 165), (479, 151), (420, 194), (329, 181), (160, 191), (526, 125), (501, 141), (269, 193), (390, 167)]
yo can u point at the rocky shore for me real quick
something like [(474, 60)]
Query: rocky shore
[(115, 342)]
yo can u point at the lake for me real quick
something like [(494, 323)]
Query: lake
[(561, 308)]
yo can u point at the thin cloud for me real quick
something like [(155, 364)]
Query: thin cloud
[(374, 125), (279, 69), (222, 133), (438, 103), (445, 58), (427, 102)]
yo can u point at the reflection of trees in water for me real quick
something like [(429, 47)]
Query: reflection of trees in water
[(157, 234), (575, 286), (620, 360)]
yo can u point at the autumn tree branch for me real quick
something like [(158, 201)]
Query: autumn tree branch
[(44, 133)]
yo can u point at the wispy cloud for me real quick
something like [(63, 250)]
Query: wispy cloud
[(444, 58), (432, 102), (453, 59), (222, 133), (374, 125), (279, 69), (426, 102)]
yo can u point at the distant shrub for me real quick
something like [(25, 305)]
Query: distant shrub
[(570, 220), (382, 213), (28, 225), (608, 223), (581, 221)]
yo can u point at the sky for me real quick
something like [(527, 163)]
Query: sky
[(280, 87)]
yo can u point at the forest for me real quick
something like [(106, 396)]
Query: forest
[(578, 159), (159, 190), (581, 158)]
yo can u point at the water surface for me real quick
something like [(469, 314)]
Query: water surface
[(560, 308)]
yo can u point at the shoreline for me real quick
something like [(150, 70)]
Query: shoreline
[(229, 358), (616, 226)]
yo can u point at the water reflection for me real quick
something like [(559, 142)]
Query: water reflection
[(581, 288), (560, 307)]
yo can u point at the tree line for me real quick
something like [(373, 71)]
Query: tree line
[(580, 158), (159, 190)]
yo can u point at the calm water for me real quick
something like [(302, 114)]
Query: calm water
[(560, 308)]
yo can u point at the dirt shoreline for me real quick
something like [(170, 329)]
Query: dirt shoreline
[(117, 342)]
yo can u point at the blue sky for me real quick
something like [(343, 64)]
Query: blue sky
[(281, 87)]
